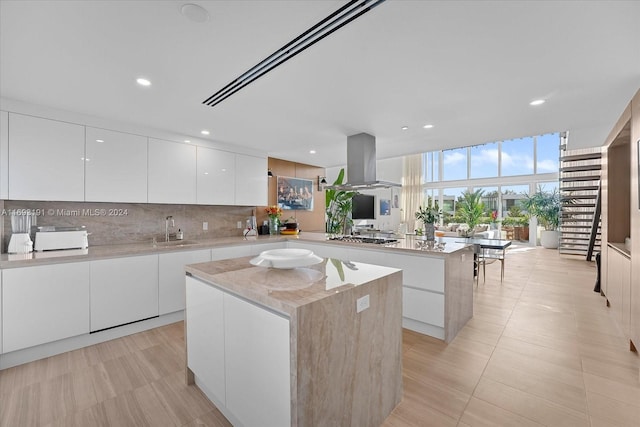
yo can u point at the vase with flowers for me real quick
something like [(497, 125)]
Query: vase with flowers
[(493, 218), (273, 212)]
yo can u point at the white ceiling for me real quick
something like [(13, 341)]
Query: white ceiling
[(469, 68)]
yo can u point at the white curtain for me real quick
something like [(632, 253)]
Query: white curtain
[(411, 190)]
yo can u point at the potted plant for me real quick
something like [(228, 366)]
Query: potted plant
[(429, 215), (470, 209), (545, 206), (338, 204)]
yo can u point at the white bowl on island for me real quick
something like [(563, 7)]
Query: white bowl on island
[(286, 258)]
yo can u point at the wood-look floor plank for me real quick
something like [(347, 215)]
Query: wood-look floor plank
[(542, 349)]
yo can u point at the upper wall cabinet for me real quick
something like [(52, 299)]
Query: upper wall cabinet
[(46, 159), (216, 177), (172, 172), (4, 154), (251, 180), (116, 167)]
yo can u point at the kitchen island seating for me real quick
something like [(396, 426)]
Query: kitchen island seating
[(486, 252)]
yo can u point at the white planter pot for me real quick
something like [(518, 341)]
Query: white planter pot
[(549, 239)]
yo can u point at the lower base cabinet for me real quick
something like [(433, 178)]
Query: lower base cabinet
[(123, 290), (43, 304), (243, 364), (171, 278)]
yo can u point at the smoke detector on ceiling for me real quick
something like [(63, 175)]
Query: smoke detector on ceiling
[(194, 13)]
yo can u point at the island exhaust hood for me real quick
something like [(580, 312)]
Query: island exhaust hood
[(361, 165)]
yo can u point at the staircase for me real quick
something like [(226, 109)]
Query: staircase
[(579, 200)]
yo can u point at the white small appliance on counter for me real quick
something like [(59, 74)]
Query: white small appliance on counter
[(52, 238), (21, 222)]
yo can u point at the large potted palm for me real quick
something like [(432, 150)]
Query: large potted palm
[(545, 206), (470, 209)]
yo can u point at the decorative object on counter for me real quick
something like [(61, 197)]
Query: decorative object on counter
[(470, 210), (493, 217), (179, 234), (289, 227), (286, 258), (429, 215), (338, 204), (545, 206), (274, 212), (295, 193)]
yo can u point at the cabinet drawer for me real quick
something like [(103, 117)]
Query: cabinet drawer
[(44, 304), (417, 271), (423, 306)]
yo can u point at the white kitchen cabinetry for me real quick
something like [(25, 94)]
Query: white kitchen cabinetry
[(116, 167), (229, 252), (205, 329), (171, 277), (239, 354), (261, 247), (4, 155), (46, 159), (257, 373), (251, 180), (123, 290), (323, 250), (172, 172), (44, 303), (216, 181)]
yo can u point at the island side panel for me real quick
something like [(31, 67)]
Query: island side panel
[(349, 368), (458, 292)]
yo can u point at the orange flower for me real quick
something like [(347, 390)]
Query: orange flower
[(273, 211)]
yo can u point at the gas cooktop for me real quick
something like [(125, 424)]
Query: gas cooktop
[(359, 239)]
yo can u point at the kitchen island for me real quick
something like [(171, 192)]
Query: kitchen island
[(319, 345)]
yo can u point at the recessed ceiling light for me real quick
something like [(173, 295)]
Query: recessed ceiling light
[(206, 173), (537, 102), (194, 13), (427, 126), (405, 127), (99, 140), (187, 140), (312, 151), (223, 170), (143, 82), (204, 132)]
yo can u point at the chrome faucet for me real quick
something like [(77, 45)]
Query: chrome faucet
[(166, 227)]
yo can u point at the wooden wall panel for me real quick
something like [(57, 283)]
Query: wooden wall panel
[(635, 223), (307, 220)]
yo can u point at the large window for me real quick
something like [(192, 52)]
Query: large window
[(512, 195), (454, 164), (547, 147), (506, 171), (484, 160), (490, 198), (517, 157), (449, 200)]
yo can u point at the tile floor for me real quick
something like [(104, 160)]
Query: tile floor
[(542, 349)]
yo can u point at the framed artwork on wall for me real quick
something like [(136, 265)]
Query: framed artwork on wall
[(295, 193), (385, 207)]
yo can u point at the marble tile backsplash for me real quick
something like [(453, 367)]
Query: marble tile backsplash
[(117, 223)]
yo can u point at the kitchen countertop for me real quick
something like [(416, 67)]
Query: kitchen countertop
[(408, 245), (285, 290)]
